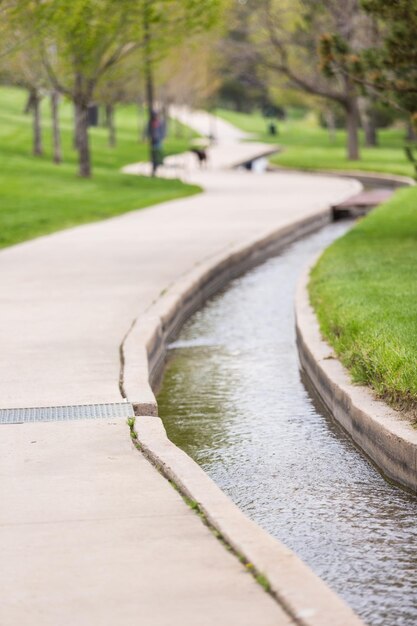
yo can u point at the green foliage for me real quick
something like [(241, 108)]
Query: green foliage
[(89, 36), (38, 197), (365, 292), (172, 21), (337, 57), (131, 423), (242, 82), (263, 581), (79, 41), (392, 65)]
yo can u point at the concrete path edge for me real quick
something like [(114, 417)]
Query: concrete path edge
[(396, 181), (303, 595), (386, 437)]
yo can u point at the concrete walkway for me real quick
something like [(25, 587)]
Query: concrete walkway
[(90, 533)]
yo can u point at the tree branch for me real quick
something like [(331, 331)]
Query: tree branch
[(52, 75), (121, 53), (283, 67), (305, 85)]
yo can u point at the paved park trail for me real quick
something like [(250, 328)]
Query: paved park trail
[(91, 533)]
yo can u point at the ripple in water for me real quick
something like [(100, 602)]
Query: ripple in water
[(233, 399)]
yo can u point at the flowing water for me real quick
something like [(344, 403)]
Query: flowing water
[(233, 399)]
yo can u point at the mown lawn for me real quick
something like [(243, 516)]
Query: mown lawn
[(305, 145), (38, 197), (364, 291)]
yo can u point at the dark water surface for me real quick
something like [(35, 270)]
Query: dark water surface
[(233, 399)]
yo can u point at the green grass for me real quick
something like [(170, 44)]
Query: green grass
[(307, 146), (364, 290), (38, 197)]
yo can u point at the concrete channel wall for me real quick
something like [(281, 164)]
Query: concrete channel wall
[(386, 437), (305, 597)]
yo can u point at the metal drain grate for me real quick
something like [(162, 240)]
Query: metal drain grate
[(64, 413)]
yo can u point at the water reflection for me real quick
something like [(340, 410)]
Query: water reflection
[(233, 399)]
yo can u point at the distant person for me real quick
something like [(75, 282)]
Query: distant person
[(156, 134), (272, 129)]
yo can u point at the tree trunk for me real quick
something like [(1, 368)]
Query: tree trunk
[(166, 118), (371, 133), (331, 124), (56, 134), (102, 117), (352, 119), (367, 116), (352, 128), (150, 93), (111, 125), (37, 128), (410, 132), (29, 103), (76, 122), (82, 139), (141, 122)]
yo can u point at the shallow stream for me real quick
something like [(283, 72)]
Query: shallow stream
[(233, 399)]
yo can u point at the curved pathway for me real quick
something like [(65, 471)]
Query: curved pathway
[(90, 532)]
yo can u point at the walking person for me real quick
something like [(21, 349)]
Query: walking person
[(156, 134)]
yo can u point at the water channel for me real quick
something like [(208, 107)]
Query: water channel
[(234, 400)]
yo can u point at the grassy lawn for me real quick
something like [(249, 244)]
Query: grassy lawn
[(364, 290), (38, 197), (307, 146)]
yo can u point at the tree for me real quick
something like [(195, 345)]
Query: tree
[(288, 34), (79, 41), (385, 68), (56, 133), (244, 82), (8, 43), (167, 23), (24, 69), (392, 66), (89, 37), (22, 66)]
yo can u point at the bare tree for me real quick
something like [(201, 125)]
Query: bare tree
[(289, 42), (56, 133), (24, 69)]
